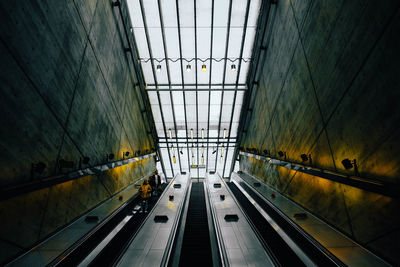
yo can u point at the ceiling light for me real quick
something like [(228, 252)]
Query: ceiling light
[(221, 158), (170, 133), (202, 133), (158, 68), (188, 68), (173, 157), (202, 159), (224, 133), (233, 68), (191, 133), (222, 150), (203, 68)]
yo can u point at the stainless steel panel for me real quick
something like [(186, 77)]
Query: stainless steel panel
[(241, 244)]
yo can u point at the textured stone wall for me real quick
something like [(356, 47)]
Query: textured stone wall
[(68, 91), (329, 87)]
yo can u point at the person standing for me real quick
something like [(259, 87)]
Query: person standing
[(145, 193), (152, 183), (158, 179)]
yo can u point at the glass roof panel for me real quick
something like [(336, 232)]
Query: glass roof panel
[(190, 94)]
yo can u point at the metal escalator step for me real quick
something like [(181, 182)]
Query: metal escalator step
[(196, 246)]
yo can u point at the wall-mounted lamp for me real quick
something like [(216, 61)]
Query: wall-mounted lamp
[(304, 157), (348, 164), (85, 160), (158, 68), (39, 167), (203, 68), (282, 154), (233, 68), (188, 68)]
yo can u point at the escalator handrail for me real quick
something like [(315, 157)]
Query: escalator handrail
[(220, 241), (172, 235), (298, 229)]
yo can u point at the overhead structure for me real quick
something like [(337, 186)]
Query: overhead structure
[(195, 57)]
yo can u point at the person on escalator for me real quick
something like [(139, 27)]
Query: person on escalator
[(159, 185), (145, 193), (152, 183)]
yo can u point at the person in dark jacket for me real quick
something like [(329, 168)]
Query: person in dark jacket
[(158, 179), (152, 183), (145, 193)]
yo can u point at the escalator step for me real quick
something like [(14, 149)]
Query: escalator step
[(196, 246)]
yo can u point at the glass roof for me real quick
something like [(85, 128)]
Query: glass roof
[(195, 57)]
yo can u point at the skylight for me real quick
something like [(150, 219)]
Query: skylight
[(195, 85)]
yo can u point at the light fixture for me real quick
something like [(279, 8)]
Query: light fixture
[(304, 157), (170, 133), (221, 158), (188, 68), (202, 159), (202, 149), (39, 167), (222, 150), (192, 150), (85, 160), (224, 133), (347, 164), (203, 68), (173, 154), (131, 30), (233, 68), (158, 68), (282, 154), (202, 133), (191, 133)]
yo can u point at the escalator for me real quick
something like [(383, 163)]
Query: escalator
[(196, 246)]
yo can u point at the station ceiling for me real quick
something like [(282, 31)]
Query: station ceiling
[(195, 57)]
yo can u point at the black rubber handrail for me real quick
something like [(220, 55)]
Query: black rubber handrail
[(313, 249)]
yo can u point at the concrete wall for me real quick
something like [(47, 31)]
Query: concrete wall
[(329, 87), (67, 91)]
